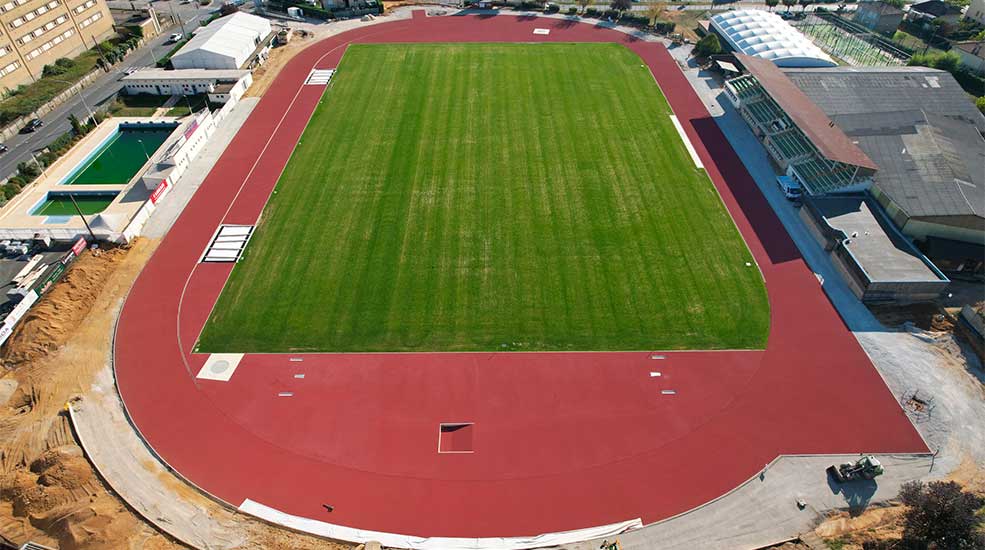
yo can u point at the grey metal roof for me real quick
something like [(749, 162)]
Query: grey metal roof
[(917, 124)]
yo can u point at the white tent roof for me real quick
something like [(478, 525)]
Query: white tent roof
[(228, 36), (766, 35)]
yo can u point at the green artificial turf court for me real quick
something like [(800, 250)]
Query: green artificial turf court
[(452, 197)]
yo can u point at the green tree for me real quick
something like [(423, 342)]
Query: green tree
[(895, 3), (621, 5), (76, 124), (789, 3), (709, 45), (772, 4), (980, 103), (804, 4), (585, 4), (941, 515), (653, 12)]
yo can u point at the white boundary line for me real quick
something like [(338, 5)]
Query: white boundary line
[(687, 142)]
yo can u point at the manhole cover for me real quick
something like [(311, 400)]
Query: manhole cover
[(219, 366)]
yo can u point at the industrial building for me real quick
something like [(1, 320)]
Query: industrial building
[(35, 33), (237, 41), (878, 16), (765, 35), (221, 85), (909, 137)]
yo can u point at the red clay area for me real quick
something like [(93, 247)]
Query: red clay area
[(558, 441)]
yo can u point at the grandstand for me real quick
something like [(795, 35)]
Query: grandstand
[(797, 134)]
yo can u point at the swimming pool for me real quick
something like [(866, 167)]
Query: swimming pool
[(60, 204), (118, 159)]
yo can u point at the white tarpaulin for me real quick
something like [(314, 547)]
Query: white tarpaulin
[(360, 536)]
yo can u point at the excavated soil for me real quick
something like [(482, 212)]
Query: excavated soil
[(49, 492)]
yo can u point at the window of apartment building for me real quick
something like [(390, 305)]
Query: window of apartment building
[(9, 69), (49, 44), (4, 51), (43, 29), (90, 20), (83, 7)]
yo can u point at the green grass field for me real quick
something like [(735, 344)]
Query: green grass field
[(449, 197)]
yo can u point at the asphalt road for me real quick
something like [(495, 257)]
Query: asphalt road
[(56, 122)]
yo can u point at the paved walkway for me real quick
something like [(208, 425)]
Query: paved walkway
[(764, 510), (172, 205), (141, 480)]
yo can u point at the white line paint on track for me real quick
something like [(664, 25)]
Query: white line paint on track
[(687, 142)]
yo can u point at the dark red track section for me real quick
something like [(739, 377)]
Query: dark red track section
[(562, 440)]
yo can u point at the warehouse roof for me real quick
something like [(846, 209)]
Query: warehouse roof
[(186, 74), (812, 121), (228, 35), (766, 35), (918, 125)]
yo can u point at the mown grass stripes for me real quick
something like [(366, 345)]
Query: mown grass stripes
[(450, 197)]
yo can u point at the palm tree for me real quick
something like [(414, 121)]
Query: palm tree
[(772, 4)]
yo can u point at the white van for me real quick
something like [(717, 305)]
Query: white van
[(791, 189)]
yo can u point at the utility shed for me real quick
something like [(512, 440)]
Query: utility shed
[(231, 42)]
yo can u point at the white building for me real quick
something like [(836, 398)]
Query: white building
[(220, 85), (763, 34), (235, 41)]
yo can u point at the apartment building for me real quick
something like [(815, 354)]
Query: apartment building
[(37, 32)]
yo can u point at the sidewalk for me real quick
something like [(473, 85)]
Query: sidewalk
[(763, 511), (164, 215)]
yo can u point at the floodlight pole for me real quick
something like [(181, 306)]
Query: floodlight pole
[(141, 142), (79, 210)]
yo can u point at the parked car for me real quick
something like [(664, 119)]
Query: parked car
[(174, 38), (31, 126), (4, 148), (790, 187)]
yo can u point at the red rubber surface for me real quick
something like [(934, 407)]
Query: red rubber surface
[(561, 440)]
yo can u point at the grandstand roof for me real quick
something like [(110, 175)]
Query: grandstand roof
[(766, 35), (823, 133)]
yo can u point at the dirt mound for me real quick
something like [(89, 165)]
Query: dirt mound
[(51, 321), (48, 490)]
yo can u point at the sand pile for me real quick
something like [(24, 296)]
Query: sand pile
[(48, 490), (51, 321)]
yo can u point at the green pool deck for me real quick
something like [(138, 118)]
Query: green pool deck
[(61, 205), (119, 159)]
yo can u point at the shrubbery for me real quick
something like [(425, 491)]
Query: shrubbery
[(709, 45), (29, 171)]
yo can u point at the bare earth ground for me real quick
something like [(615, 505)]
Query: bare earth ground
[(49, 492), (886, 523)]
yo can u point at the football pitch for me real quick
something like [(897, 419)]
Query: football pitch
[(491, 197)]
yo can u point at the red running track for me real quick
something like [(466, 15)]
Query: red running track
[(561, 440)]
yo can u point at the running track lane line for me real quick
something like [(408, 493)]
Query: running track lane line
[(246, 178)]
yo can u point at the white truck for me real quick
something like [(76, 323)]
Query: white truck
[(791, 189)]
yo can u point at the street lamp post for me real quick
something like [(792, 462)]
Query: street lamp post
[(82, 96), (141, 142)]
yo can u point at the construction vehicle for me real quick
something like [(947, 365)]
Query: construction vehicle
[(867, 467)]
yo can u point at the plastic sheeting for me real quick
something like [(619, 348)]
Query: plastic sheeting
[(360, 536)]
